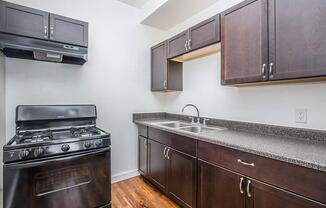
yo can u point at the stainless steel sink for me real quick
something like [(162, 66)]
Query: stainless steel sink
[(189, 127), (200, 129), (175, 124)]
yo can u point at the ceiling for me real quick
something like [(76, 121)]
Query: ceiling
[(165, 14), (172, 12), (135, 3)]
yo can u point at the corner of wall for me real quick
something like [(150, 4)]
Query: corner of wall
[(2, 110)]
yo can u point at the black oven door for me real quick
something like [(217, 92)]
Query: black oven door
[(82, 180)]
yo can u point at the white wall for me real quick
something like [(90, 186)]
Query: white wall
[(116, 77), (264, 104), (2, 111)]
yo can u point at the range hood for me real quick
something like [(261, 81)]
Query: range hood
[(41, 50)]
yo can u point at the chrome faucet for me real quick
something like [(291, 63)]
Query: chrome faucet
[(192, 105)]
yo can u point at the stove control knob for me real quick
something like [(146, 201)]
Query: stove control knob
[(38, 151), (87, 144), (23, 154), (65, 147), (98, 142)]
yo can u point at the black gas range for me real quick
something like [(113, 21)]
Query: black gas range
[(58, 158)]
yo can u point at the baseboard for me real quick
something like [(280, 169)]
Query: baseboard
[(124, 175)]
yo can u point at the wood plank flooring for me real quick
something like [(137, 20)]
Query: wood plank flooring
[(137, 193)]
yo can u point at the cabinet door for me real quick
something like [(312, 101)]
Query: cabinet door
[(159, 67), (157, 164), (205, 33), (177, 44), (297, 38), (142, 155), (67, 30), (244, 43), (23, 21), (181, 178), (220, 188), (266, 196)]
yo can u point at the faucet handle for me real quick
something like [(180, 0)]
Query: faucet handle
[(205, 121), (192, 119)]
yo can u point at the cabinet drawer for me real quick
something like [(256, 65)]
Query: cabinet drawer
[(181, 143), (142, 131), (304, 181)]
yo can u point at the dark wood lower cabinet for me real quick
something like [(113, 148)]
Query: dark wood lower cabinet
[(267, 196), (157, 164), (142, 155), (205, 175), (218, 187), (181, 184)]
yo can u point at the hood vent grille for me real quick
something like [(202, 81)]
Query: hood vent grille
[(42, 50)]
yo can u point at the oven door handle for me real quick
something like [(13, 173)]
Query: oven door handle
[(44, 162)]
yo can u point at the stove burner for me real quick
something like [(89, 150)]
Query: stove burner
[(32, 137), (84, 131)]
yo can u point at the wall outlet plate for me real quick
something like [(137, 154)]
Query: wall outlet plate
[(301, 116)]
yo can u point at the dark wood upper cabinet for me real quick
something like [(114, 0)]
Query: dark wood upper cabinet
[(157, 164), (167, 57), (159, 64), (198, 36), (142, 156), (20, 20), (244, 43), (67, 30), (177, 45), (24, 21), (297, 45), (269, 40), (181, 183), (165, 74), (263, 195), (218, 187), (205, 33)]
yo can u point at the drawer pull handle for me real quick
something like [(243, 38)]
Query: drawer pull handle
[(167, 154), (246, 163), (240, 185), (164, 152), (248, 189)]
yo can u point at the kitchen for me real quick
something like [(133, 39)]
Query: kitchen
[(117, 79)]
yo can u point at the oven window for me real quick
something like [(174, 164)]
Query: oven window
[(61, 179)]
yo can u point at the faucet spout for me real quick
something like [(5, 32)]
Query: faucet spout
[(192, 105)]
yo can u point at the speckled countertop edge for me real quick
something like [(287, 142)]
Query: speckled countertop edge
[(212, 137)]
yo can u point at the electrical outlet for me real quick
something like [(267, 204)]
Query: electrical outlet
[(301, 116)]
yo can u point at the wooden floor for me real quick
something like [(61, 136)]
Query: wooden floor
[(136, 193)]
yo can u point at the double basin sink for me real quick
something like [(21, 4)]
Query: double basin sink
[(190, 127)]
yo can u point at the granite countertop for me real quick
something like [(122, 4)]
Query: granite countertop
[(298, 151)]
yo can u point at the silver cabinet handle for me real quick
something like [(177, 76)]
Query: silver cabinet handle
[(271, 73), (189, 44), (248, 189), (45, 31), (240, 185), (263, 71), (145, 144), (167, 154), (165, 84), (186, 45), (51, 32), (246, 163), (164, 152)]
